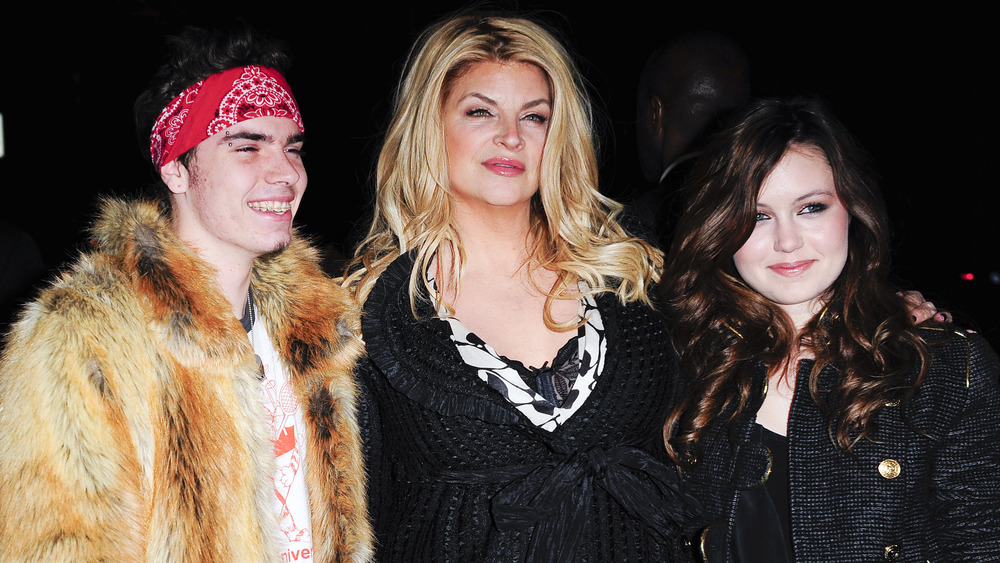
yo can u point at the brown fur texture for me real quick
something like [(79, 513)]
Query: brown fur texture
[(131, 427)]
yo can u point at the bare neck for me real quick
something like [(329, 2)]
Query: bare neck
[(499, 280), (235, 285), (498, 240)]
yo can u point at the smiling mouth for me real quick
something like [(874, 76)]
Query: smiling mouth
[(276, 207), (791, 269)]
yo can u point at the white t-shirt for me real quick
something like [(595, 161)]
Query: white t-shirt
[(284, 417)]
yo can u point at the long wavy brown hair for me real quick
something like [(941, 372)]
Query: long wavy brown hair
[(722, 326)]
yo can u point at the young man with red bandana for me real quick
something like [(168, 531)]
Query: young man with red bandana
[(184, 391)]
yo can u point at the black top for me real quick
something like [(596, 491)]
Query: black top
[(554, 380), (762, 530)]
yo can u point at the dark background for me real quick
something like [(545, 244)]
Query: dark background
[(912, 87)]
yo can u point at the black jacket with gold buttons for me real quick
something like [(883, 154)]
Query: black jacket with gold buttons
[(925, 488)]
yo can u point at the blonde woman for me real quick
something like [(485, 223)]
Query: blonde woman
[(517, 379)]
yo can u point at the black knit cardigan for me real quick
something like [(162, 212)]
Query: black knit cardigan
[(456, 473), (942, 506)]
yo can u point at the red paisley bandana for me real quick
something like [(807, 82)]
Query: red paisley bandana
[(221, 100)]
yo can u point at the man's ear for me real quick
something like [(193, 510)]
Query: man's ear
[(176, 176)]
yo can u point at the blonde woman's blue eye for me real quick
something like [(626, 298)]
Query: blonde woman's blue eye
[(536, 117)]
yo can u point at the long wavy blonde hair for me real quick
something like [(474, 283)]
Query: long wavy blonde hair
[(573, 228)]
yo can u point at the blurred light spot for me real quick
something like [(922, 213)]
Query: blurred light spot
[(968, 276)]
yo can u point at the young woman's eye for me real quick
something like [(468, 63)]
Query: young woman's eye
[(761, 217), (815, 208)]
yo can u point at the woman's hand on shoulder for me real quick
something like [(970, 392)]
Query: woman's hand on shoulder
[(922, 310)]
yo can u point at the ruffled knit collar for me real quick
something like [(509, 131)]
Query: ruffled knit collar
[(419, 360)]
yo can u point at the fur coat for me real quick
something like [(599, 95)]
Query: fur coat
[(131, 426)]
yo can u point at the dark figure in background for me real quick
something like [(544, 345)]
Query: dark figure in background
[(686, 85), (149, 394)]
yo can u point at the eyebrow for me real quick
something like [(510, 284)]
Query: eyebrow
[(261, 137), (482, 97), (810, 195), (537, 102), (815, 193), (491, 101), (247, 136)]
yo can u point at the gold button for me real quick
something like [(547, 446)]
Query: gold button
[(891, 552), (889, 468)]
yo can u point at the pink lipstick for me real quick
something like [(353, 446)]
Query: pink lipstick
[(791, 269), (504, 166)]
